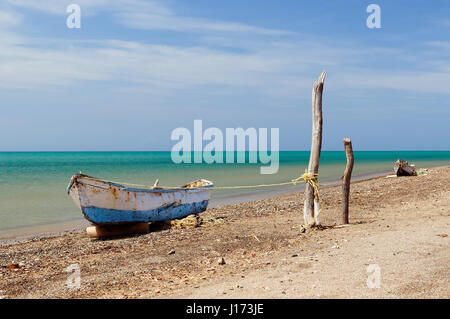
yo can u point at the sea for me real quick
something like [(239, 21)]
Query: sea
[(33, 184)]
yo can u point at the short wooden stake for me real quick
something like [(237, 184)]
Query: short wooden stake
[(346, 180)]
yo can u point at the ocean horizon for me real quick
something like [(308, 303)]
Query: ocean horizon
[(33, 184)]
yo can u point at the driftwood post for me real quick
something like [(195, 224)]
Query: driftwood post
[(346, 180), (311, 207)]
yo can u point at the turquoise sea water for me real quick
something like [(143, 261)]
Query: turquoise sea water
[(32, 185)]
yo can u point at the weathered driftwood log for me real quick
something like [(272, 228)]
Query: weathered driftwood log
[(346, 180), (113, 231), (402, 168), (311, 207)]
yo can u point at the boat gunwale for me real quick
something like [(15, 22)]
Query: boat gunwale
[(150, 189)]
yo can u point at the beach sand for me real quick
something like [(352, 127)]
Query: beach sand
[(399, 226)]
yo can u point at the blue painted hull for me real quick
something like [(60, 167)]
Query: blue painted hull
[(105, 216), (109, 203)]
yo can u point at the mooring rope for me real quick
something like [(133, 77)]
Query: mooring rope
[(306, 177)]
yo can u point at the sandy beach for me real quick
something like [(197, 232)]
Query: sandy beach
[(400, 225)]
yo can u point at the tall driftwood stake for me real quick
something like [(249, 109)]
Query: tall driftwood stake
[(346, 180), (311, 207)]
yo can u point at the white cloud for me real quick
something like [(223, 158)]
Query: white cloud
[(151, 21), (92, 6), (413, 81), (149, 15), (444, 23), (274, 67), (443, 45), (9, 19), (151, 65)]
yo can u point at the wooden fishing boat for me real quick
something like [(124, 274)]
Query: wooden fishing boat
[(106, 203)]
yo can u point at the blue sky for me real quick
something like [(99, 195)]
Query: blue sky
[(138, 69)]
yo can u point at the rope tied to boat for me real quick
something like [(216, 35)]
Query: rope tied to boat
[(306, 177), (310, 178)]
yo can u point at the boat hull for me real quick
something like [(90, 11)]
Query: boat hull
[(108, 203)]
